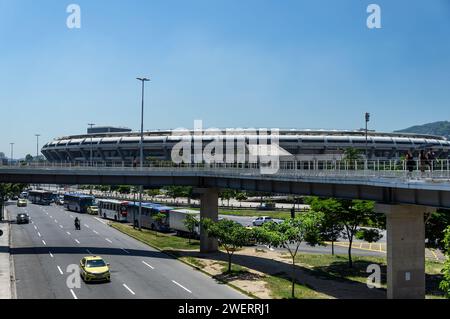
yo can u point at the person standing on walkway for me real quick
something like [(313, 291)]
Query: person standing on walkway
[(422, 161), (409, 158), (431, 159)]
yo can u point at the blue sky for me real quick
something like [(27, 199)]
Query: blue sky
[(230, 63)]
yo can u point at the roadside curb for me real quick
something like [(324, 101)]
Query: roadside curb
[(5, 260), (11, 265), (188, 263)]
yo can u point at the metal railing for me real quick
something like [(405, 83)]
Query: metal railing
[(436, 169)]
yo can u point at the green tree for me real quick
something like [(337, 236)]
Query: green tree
[(290, 234), (153, 192), (241, 196), (227, 194), (352, 154), (7, 190), (353, 214), (368, 235), (444, 285), (159, 219), (179, 191), (191, 224), (435, 226), (331, 227), (28, 158), (230, 235), (124, 189)]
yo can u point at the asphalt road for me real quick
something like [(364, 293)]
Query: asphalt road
[(43, 249)]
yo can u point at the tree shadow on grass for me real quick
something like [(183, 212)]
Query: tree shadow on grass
[(316, 279)]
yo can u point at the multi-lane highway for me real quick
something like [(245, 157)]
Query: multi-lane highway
[(44, 249)]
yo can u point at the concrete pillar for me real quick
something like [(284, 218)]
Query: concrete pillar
[(405, 250), (209, 208)]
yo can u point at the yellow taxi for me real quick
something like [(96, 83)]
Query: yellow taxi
[(94, 268), (22, 202), (92, 210)]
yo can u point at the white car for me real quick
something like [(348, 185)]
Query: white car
[(261, 220)]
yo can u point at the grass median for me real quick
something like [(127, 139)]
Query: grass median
[(158, 240)]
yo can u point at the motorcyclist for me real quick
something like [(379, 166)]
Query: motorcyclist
[(77, 223)]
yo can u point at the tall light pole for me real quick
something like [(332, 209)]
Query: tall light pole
[(91, 125), (367, 121), (37, 146), (12, 153), (141, 146)]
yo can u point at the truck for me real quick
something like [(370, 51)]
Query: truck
[(177, 218)]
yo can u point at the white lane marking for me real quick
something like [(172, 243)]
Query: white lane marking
[(35, 227), (60, 270), (46, 213), (73, 294), (71, 216), (95, 232), (51, 216), (181, 286), (68, 233), (87, 226), (61, 226), (109, 241), (39, 234), (100, 220), (76, 240), (148, 265), (56, 221), (125, 250), (131, 291), (44, 242), (51, 255), (88, 252)]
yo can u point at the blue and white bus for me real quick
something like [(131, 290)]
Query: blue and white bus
[(40, 197), (113, 209), (78, 202), (148, 211)]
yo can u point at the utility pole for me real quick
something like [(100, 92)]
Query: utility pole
[(91, 125), (12, 154), (367, 121), (141, 145), (37, 146)]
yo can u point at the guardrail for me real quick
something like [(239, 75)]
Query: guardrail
[(400, 169)]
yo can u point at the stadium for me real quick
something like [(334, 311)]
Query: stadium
[(116, 144)]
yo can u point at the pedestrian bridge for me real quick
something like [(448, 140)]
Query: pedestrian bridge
[(380, 181), (403, 196)]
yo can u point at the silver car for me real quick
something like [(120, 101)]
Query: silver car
[(261, 220)]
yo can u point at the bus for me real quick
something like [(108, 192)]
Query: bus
[(148, 211), (78, 202), (113, 209), (40, 197)]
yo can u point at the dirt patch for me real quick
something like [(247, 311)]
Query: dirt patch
[(246, 279)]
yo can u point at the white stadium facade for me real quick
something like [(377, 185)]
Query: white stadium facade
[(115, 144)]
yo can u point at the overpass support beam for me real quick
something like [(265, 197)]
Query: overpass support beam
[(405, 250), (209, 208)]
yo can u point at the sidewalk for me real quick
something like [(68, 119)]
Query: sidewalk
[(5, 270)]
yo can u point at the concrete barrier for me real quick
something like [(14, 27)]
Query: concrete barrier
[(5, 263)]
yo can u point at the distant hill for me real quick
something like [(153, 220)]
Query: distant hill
[(441, 128)]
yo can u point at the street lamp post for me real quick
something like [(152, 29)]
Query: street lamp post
[(367, 121), (141, 146), (37, 146), (12, 154), (91, 125)]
